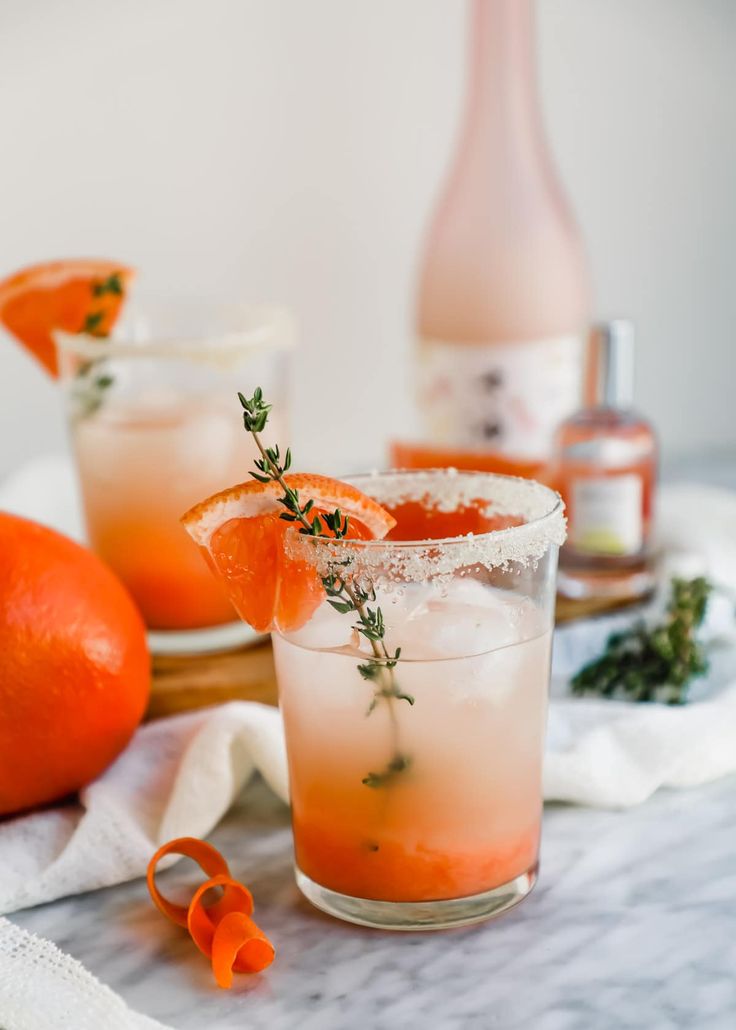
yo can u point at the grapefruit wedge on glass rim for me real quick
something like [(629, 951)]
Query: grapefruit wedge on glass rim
[(244, 540), (77, 295)]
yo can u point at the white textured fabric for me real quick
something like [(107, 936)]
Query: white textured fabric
[(177, 778), (41, 988), (45, 489), (616, 753)]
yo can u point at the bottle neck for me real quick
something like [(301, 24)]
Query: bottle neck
[(612, 354), (502, 103)]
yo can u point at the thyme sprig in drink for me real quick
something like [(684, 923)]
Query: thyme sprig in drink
[(437, 590), (343, 596)]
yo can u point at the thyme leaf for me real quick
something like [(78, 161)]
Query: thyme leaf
[(92, 322), (398, 764), (113, 284)]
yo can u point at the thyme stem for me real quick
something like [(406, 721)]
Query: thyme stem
[(343, 596), (277, 474)]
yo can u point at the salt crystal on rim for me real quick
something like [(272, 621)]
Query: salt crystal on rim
[(443, 490)]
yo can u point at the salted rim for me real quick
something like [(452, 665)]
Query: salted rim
[(273, 328), (418, 560)]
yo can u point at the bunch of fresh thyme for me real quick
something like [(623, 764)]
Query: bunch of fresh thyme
[(656, 664), (344, 596)]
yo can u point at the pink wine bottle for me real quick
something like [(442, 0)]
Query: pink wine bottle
[(503, 297)]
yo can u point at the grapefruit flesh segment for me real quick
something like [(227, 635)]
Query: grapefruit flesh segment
[(244, 540)]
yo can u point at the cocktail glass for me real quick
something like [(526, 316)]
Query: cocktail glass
[(150, 412), (416, 780)]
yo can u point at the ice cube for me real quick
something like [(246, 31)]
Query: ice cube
[(465, 618), (326, 630)]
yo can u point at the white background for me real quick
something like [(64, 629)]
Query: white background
[(289, 150)]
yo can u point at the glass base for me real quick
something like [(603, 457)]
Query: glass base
[(418, 915), (210, 640)]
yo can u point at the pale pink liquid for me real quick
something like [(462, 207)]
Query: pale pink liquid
[(141, 465), (465, 818)]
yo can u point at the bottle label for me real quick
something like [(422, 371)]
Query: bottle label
[(606, 515), (509, 398)]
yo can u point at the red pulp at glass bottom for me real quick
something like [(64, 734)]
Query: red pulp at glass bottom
[(348, 861)]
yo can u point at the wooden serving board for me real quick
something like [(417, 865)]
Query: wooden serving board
[(194, 681), (181, 683)]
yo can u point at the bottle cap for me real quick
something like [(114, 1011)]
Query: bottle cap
[(612, 353)]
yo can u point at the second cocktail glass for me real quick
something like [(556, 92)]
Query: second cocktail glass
[(150, 412)]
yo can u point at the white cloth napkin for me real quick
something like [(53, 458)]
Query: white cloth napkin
[(617, 753), (614, 754), (179, 776), (42, 988), (45, 490)]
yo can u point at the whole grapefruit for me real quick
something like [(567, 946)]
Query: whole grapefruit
[(74, 665)]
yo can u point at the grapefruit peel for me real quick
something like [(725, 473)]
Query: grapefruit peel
[(224, 930)]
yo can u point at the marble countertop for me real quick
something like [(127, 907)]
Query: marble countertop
[(632, 925)]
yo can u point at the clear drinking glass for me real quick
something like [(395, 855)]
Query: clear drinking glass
[(151, 412), (416, 788)]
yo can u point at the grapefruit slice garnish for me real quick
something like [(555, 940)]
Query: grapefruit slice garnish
[(244, 540), (74, 296)]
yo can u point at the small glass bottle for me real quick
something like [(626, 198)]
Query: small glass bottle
[(606, 470)]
